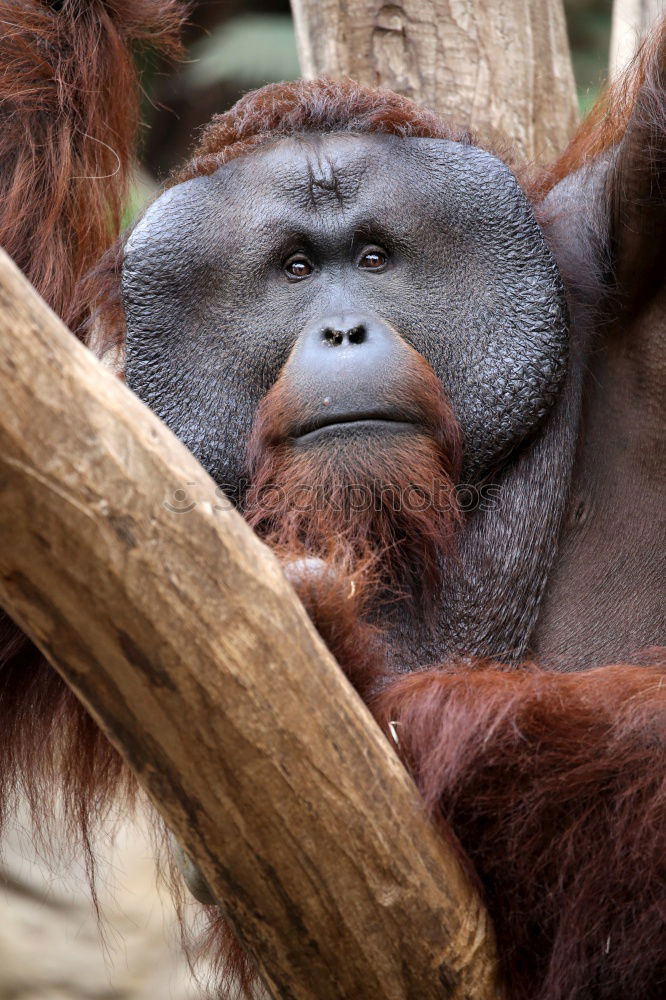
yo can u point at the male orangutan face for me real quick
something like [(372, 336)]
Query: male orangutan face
[(344, 301)]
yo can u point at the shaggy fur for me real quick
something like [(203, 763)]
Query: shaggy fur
[(70, 115), (390, 506), (283, 109), (635, 101), (553, 784)]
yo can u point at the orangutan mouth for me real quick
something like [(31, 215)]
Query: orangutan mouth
[(353, 424)]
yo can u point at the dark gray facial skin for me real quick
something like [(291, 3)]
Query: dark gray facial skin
[(469, 283)]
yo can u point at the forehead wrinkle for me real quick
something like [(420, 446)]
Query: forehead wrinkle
[(280, 231), (372, 219), (315, 176), (328, 182)]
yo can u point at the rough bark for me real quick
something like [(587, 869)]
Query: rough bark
[(177, 629), (632, 19), (499, 67)]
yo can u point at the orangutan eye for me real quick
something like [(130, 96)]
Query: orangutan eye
[(373, 259), (298, 267)]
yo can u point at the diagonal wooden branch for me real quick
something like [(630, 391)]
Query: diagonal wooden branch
[(502, 69), (177, 629)]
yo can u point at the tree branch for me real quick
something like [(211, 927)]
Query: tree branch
[(177, 629)]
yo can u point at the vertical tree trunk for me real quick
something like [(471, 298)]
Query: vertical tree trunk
[(499, 67), (632, 19)]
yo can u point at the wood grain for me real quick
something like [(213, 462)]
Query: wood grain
[(499, 67), (177, 629)]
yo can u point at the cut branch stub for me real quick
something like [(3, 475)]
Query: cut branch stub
[(177, 629)]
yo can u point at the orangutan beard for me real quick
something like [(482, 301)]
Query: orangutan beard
[(366, 503)]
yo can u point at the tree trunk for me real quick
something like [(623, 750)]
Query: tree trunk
[(178, 631), (632, 19), (499, 67)]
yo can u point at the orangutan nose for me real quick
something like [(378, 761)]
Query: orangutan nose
[(342, 370), (346, 369)]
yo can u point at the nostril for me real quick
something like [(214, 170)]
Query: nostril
[(333, 337), (357, 334)]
